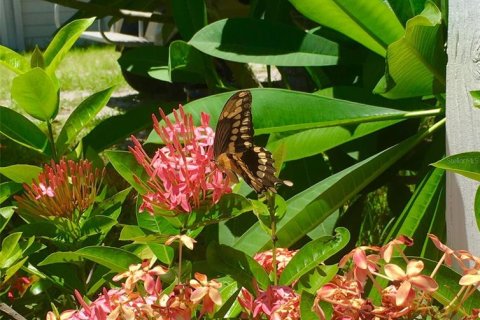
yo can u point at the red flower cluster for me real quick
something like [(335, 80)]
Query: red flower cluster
[(64, 189), (182, 174)]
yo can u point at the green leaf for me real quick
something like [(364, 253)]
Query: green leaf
[(97, 225), (21, 130), (185, 63), (190, 16), (312, 254), (466, 164), (21, 173), (163, 253), (14, 268), (13, 61), (37, 59), (229, 206), (7, 189), (310, 142), (61, 257), (476, 98), (5, 214), (118, 260), (273, 43), (81, 117), (241, 267), (306, 303), (311, 207), (146, 61), (10, 251), (127, 166), (420, 208), (276, 110), (369, 22), (316, 278), (36, 93), (142, 235), (407, 9), (63, 41), (115, 129), (416, 62)]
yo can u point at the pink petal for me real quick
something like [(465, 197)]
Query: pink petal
[(198, 294), (469, 279), (414, 267), (394, 272), (424, 283), (402, 293), (215, 296)]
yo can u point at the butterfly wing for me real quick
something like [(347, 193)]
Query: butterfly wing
[(234, 128), (256, 166)]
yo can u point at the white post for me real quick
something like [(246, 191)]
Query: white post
[(463, 120)]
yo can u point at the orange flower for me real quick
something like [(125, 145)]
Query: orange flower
[(206, 290), (386, 251), (409, 280)]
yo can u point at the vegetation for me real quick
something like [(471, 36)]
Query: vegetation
[(163, 231)]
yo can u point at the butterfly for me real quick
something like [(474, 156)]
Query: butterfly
[(234, 151)]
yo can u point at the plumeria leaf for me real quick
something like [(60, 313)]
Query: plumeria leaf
[(311, 111), (312, 254), (274, 43), (241, 267), (7, 189), (466, 164), (316, 278), (229, 206), (21, 173)]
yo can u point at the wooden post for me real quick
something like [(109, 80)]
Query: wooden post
[(463, 120)]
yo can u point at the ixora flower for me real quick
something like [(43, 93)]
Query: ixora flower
[(141, 297), (62, 190), (182, 174), (282, 258)]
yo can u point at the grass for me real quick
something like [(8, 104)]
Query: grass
[(88, 69)]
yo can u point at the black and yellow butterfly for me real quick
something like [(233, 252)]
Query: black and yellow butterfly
[(234, 150)]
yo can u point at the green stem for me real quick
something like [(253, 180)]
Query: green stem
[(52, 141), (273, 227)]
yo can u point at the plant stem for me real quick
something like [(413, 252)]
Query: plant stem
[(269, 75), (180, 251), (52, 141), (273, 227)]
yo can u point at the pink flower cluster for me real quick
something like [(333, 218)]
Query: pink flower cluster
[(62, 189), (182, 174), (276, 302), (142, 297), (408, 292)]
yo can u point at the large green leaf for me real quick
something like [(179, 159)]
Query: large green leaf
[(407, 9), (118, 260), (314, 141), (127, 166), (185, 63), (7, 189), (311, 207), (147, 60), (13, 61), (36, 93), (416, 62), (370, 22), (21, 130), (466, 164), (80, 117), (63, 41), (190, 16), (272, 43), (241, 267), (21, 173), (420, 209), (277, 110), (115, 129), (312, 254), (5, 214)]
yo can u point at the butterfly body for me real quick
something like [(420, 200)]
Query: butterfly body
[(234, 150)]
